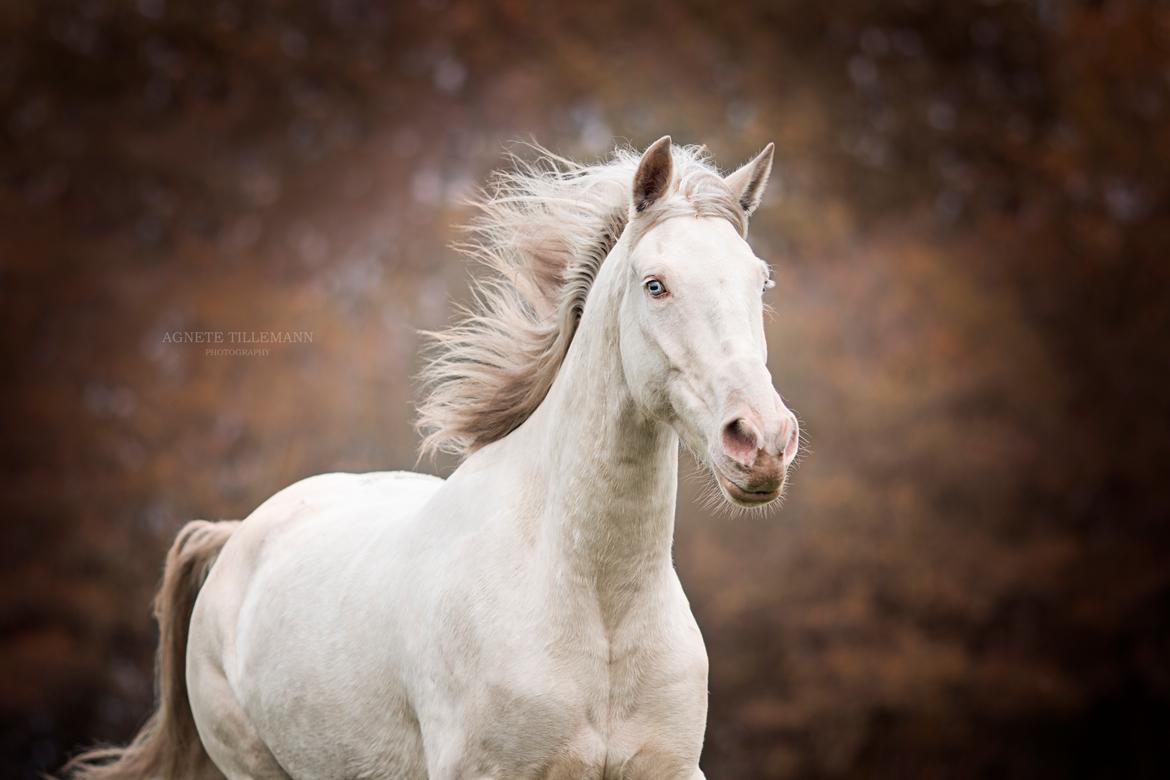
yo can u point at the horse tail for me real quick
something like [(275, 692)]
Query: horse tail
[(168, 745)]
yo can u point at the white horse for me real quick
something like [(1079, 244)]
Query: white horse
[(523, 618)]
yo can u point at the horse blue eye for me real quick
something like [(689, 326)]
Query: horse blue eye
[(655, 287)]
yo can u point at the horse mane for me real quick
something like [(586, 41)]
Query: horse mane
[(543, 229)]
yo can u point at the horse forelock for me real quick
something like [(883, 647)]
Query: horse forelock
[(543, 228)]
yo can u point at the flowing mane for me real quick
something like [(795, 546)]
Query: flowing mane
[(543, 229)]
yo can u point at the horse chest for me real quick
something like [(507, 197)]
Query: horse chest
[(638, 713), (534, 736)]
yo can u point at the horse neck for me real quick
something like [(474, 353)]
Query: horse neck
[(611, 474)]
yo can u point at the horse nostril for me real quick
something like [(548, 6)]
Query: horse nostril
[(740, 441), (792, 442)]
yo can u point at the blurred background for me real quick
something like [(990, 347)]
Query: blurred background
[(968, 221)]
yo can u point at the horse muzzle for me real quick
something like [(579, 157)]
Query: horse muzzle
[(752, 459)]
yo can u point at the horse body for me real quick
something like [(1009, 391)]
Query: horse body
[(523, 618), (507, 559)]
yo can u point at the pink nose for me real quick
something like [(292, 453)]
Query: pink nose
[(752, 443)]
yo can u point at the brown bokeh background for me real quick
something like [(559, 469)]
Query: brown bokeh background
[(970, 576)]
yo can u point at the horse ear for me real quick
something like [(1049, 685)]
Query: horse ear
[(655, 171), (749, 182)]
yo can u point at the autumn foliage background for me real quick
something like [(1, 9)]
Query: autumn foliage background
[(968, 221)]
